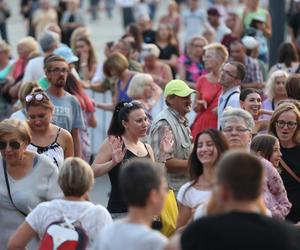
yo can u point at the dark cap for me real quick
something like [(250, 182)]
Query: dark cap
[(213, 12)]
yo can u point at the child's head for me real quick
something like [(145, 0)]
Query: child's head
[(268, 147)]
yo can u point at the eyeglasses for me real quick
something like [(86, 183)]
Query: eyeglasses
[(12, 144), (38, 96), (290, 124), (238, 129), (59, 70), (229, 73)]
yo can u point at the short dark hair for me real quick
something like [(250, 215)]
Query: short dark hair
[(48, 60), (263, 144), (292, 86), (240, 69), (138, 177), (246, 92), (121, 113), (242, 173)]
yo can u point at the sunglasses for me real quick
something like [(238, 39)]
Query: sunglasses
[(12, 144), (36, 96)]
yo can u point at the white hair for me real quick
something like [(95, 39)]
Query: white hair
[(269, 89), (137, 85)]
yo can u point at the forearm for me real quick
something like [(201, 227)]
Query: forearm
[(76, 142), (102, 168), (176, 165), (105, 106)]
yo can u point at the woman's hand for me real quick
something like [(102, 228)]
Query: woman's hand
[(199, 105), (118, 151)]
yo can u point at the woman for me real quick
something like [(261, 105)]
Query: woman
[(209, 89), (172, 18), (275, 91), (47, 139), (160, 72), (191, 65), (76, 179), (250, 100), (87, 63), (284, 125), (168, 47), (208, 147), (74, 87), (129, 123), (237, 127), (288, 59), (26, 178), (116, 65)]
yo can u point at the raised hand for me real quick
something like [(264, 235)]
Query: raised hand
[(167, 141), (118, 149)]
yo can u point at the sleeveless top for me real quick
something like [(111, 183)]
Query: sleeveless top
[(54, 151), (123, 92), (115, 202)]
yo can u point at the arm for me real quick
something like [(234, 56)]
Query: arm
[(109, 106), (268, 26), (21, 237), (254, 85), (174, 165), (67, 141), (184, 215), (76, 142), (174, 243), (171, 62), (92, 120)]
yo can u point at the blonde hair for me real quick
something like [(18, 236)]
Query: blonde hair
[(15, 126), (5, 47), (220, 50), (117, 62), (137, 85), (76, 177), (269, 89), (25, 89), (30, 44)]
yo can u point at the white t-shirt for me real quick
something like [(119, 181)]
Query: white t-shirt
[(192, 197), (121, 236), (34, 70), (48, 212)]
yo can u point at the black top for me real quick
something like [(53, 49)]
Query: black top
[(115, 202), (291, 157), (240, 231), (166, 53), (149, 36)]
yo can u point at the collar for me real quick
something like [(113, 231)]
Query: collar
[(229, 91), (181, 119)]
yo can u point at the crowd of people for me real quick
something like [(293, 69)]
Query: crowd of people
[(202, 150)]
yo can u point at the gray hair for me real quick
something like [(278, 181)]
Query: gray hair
[(269, 89), (48, 41), (230, 114), (137, 85)]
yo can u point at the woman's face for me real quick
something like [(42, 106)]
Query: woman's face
[(22, 51), (39, 118), (81, 47), (210, 61), (12, 147), (163, 32), (197, 47), (137, 123), (276, 155), (279, 87), (286, 126), (150, 61), (207, 152), (252, 104)]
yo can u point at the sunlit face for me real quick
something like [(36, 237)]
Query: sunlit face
[(57, 74), (276, 155), (181, 104), (22, 51), (150, 61), (11, 153), (210, 60), (237, 133), (207, 152), (252, 104), (197, 47), (237, 52), (39, 118), (137, 123), (279, 87), (286, 126), (228, 75), (163, 32), (81, 47)]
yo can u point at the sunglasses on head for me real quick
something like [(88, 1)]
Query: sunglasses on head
[(12, 144), (35, 96)]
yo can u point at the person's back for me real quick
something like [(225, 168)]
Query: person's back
[(240, 231)]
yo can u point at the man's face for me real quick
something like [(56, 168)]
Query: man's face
[(237, 52), (57, 74), (182, 105), (213, 19), (228, 76), (120, 48)]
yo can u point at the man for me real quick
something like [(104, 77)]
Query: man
[(170, 135), (213, 17), (232, 75), (253, 77), (237, 223), (67, 113), (34, 70), (144, 190)]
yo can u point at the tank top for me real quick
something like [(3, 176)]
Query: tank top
[(123, 92), (54, 151), (115, 202)]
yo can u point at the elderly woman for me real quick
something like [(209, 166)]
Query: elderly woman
[(275, 90), (143, 89), (26, 178), (285, 125), (237, 127), (128, 125), (209, 89), (76, 179), (47, 139), (161, 72)]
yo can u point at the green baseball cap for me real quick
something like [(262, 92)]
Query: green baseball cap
[(179, 88)]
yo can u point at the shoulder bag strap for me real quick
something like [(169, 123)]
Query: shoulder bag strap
[(228, 98), (8, 188), (289, 170)]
